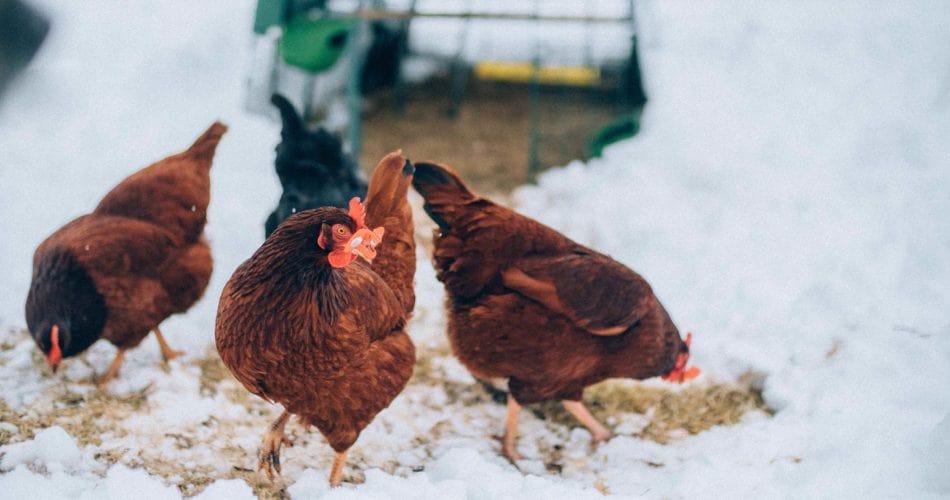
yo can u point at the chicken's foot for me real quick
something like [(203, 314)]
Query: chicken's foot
[(336, 473), (113, 369), (597, 430), (168, 353), (511, 432), (274, 438)]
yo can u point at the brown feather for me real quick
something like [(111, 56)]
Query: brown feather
[(329, 344), (529, 304), (142, 248)]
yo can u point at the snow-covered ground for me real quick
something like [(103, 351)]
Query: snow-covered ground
[(786, 197)]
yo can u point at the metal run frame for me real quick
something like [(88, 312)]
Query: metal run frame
[(364, 15)]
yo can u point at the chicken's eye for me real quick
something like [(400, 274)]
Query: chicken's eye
[(340, 231)]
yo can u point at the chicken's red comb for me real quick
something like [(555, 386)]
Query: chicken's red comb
[(358, 212)]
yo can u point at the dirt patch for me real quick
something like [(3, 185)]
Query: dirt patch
[(489, 139), (85, 416), (670, 413), (213, 372), (83, 410), (425, 373), (88, 414)]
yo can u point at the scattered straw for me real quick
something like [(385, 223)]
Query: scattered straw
[(84, 416), (836, 346), (88, 413), (213, 372), (691, 409)]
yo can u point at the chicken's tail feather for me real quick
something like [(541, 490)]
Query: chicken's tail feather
[(443, 191), (387, 206), (434, 179), (291, 124), (205, 146)]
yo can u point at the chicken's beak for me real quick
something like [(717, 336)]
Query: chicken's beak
[(363, 243)]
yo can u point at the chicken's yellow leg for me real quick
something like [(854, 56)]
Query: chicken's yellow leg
[(511, 431), (580, 412), (336, 473), (168, 353), (113, 369)]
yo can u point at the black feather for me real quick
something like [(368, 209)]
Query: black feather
[(313, 169)]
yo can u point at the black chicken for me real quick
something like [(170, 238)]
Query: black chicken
[(314, 170)]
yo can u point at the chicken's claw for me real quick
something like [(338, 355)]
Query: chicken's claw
[(601, 437), (270, 464), (168, 353), (171, 354), (113, 369), (511, 453), (269, 457), (508, 449)]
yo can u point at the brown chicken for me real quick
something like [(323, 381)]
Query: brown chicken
[(305, 324), (138, 258), (528, 304)]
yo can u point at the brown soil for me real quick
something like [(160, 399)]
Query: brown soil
[(488, 140)]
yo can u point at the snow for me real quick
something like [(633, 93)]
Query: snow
[(458, 474), (228, 488), (122, 482), (786, 198), (936, 458), (51, 446)]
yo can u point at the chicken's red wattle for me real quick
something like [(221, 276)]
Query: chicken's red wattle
[(680, 373)]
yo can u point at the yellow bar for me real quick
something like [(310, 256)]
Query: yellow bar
[(577, 76)]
